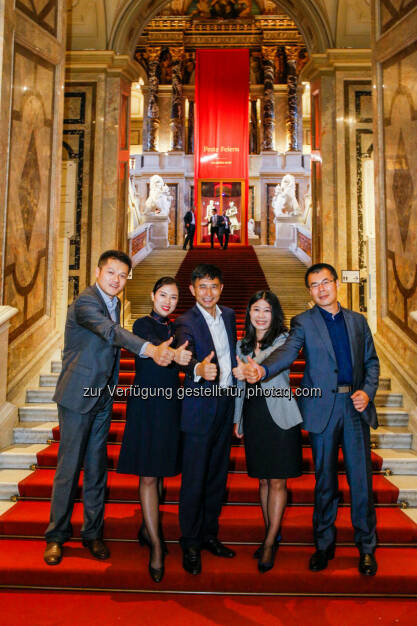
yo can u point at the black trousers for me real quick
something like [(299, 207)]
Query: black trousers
[(205, 465), (83, 442), (189, 237), (215, 231), (225, 234), (347, 428)]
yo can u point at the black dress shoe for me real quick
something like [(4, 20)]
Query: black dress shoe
[(214, 546), (320, 559), (191, 560), (98, 548), (53, 553), (367, 564), (265, 566)]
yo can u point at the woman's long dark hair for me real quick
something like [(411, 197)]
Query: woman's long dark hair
[(165, 280), (277, 323)]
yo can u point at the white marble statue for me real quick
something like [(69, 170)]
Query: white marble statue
[(159, 199), (308, 209), (284, 201), (231, 213), (209, 213), (251, 229)]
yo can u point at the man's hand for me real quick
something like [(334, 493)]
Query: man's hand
[(253, 371), (236, 432), (182, 356), (162, 354), (206, 369), (238, 371), (360, 400)]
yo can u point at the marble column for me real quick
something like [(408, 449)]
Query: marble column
[(177, 106), (292, 118), (190, 136), (253, 128), (153, 106), (268, 55)]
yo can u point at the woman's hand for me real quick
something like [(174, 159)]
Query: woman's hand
[(236, 432), (183, 356), (238, 371)]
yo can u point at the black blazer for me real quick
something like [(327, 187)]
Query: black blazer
[(198, 411), (188, 218), (91, 350)]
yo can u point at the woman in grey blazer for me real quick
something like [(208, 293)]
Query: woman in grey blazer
[(269, 417)]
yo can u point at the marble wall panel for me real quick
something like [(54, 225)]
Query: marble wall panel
[(43, 12), (78, 145), (392, 11), (29, 188), (400, 177)]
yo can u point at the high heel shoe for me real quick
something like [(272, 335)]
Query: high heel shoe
[(156, 573), (267, 565), (258, 552), (145, 541)]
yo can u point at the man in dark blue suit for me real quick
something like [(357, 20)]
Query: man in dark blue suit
[(340, 361), (207, 415)]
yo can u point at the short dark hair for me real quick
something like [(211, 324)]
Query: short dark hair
[(165, 280), (115, 254), (205, 269), (277, 327), (214, 209), (317, 267)]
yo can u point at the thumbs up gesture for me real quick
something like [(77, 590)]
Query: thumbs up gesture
[(238, 372), (206, 369), (253, 371), (183, 356), (162, 354)]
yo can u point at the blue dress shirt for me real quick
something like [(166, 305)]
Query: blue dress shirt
[(339, 337)]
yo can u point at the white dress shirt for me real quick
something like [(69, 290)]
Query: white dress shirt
[(221, 344)]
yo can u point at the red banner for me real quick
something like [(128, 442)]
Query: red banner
[(221, 145)]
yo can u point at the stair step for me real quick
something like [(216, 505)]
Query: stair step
[(237, 523), (398, 461), (21, 563), (34, 432), (392, 437), (20, 456), (383, 398), (407, 489), (9, 482), (38, 412), (392, 416), (240, 488)]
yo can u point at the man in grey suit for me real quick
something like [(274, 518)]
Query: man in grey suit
[(340, 361), (90, 367)]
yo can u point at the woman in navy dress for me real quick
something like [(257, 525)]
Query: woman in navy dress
[(152, 434)]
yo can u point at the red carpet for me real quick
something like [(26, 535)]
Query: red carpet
[(241, 523), (21, 608)]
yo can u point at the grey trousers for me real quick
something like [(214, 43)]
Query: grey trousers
[(83, 439)]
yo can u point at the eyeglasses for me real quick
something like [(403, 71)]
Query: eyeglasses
[(325, 283)]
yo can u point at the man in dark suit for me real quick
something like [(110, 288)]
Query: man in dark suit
[(340, 361), (214, 222), (189, 225), (90, 367), (207, 415), (224, 230)]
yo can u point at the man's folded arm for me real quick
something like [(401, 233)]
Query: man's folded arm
[(371, 364), (89, 313), (281, 358)]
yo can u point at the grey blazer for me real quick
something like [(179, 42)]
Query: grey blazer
[(91, 350), (284, 411), (309, 331)]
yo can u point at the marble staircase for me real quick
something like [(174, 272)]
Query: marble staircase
[(38, 414)]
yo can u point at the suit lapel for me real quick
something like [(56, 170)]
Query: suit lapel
[(349, 320), (323, 332), (203, 329)]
